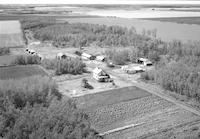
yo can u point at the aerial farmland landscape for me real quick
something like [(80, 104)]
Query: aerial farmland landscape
[(118, 70)]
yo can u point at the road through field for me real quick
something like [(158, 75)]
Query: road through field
[(155, 90)]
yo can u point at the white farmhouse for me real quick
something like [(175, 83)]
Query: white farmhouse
[(100, 75)]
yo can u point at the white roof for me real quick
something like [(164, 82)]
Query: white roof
[(143, 59), (60, 54), (134, 68), (86, 55), (99, 71), (100, 57), (32, 51)]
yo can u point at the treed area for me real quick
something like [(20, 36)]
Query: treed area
[(178, 70), (32, 108)]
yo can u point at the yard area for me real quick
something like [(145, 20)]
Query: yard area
[(71, 85), (17, 72)]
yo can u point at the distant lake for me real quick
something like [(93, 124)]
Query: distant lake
[(145, 12), (167, 31)]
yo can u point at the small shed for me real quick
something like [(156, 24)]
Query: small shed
[(31, 51), (100, 75), (87, 56), (144, 61), (61, 56), (101, 58), (133, 69)]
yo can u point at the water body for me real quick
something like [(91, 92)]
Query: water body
[(144, 13), (167, 31)]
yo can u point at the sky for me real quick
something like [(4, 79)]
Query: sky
[(99, 1)]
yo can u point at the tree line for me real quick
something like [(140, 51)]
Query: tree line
[(32, 108)]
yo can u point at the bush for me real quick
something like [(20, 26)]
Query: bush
[(32, 90), (25, 60), (32, 108), (85, 84), (148, 75), (49, 63), (4, 51), (65, 66), (118, 57)]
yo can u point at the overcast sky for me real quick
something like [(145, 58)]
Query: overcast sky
[(99, 1)]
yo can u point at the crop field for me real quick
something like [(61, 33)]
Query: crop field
[(17, 72), (116, 108), (109, 97), (11, 34)]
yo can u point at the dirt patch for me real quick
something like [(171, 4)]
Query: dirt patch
[(72, 87)]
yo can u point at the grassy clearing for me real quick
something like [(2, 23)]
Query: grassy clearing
[(11, 34), (11, 40), (109, 97), (6, 60), (17, 72)]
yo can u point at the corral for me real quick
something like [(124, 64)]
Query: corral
[(17, 72)]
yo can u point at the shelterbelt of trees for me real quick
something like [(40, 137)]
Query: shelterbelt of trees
[(179, 69), (32, 108), (82, 34)]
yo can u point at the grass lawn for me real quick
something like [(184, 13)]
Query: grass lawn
[(17, 72), (111, 97)]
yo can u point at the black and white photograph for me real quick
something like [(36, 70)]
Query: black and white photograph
[(99, 69)]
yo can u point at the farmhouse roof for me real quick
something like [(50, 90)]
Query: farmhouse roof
[(86, 55), (99, 71)]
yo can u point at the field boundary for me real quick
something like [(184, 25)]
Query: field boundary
[(120, 129)]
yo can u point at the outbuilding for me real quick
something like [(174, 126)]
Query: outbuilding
[(31, 51), (100, 75), (132, 70), (87, 56), (100, 58), (144, 61), (61, 56)]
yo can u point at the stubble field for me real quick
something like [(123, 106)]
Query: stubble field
[(11, 34)]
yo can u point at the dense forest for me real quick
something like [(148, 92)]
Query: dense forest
[(32, 108)]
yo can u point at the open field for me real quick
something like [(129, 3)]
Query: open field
[(111, 97), (11, 34), (6, 60), (17, 72), (149, 113), (181, 20)]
